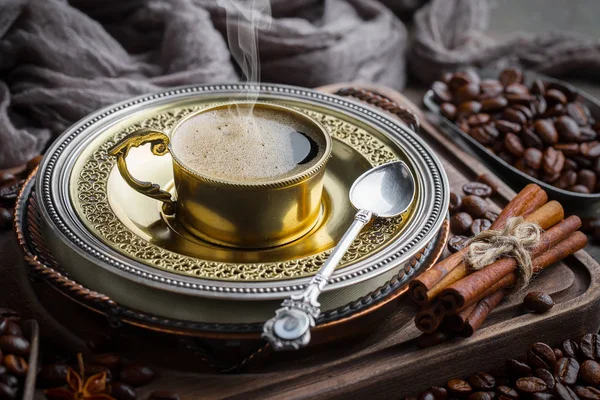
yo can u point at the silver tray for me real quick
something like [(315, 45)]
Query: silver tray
[(93, 262)]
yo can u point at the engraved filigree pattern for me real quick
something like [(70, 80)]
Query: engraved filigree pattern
[(93, 202)]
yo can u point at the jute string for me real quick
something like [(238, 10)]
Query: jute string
[(516, 240)]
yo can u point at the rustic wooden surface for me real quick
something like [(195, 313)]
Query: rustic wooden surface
[(387, 364)]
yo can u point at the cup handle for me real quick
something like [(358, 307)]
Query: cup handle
[(159, 146)]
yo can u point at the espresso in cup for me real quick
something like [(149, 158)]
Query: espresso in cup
[(246, 174), (243, 144)]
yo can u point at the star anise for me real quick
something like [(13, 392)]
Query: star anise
[(79, 388)]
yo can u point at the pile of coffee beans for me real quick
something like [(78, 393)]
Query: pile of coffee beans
[(470, 213), (14, 353), (11, 181), (568, 372), (122, 376), (544, 130)]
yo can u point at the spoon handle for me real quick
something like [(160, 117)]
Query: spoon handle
[(289, 329)]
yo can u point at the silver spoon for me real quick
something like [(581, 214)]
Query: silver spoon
[(385, 191)]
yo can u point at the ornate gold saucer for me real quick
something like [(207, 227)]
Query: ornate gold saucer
[(117, 242)]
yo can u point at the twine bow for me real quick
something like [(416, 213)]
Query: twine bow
[(516, 240)]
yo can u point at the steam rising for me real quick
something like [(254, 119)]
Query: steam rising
[(244, 18)]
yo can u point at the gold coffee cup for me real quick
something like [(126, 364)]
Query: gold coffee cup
[(248, 214)]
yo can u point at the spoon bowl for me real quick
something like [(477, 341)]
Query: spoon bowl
[(387, 190)]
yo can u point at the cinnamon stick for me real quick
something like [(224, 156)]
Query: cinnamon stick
[(429, 284), (546, 216), (474, 286), (481, 311), (456, 322), (429, 318)]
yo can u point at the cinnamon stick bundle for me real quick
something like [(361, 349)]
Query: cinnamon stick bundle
[(473, 287), (525, 202)]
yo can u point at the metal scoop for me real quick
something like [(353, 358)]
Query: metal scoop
[(385, 191)]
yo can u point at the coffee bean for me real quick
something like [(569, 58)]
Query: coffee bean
[(581, 161), (590, 150), (518, 98), (568, 90), (474, 205), (510, 75), (529, 114), (482, 381), (568, 149), (455, 202), (553, 161), (587, 178), (567, 128), (479, 396), (579, 189), (121, 391), (530, 385), (439, 393), (507, 392), (538, 106), (15, 365), (13, 328), (546, 376), (481, 135), (533, 158), (566, 370), (555, 96), (514, 145), (513, 115), (522, 166), (14, 344), (570, 164), (93, 369), (586, 134), (467, 92), (542, 396), (531, 139), (477, 189), (457, 243), (136, 374), (516, 368), (52, 375), (570, 348), (554, 111), (478, 119), (579, 113), (468, 108), (558, 353), (537, 87), (426, 396), (564, 392), (448, 110), (166, 395), (6, 392), (34, 162), (587, 393), (538, 302), (460, 79), (460, 223), (540, 355), (516, 88), (108, 360), (490, 88), (479, 225), (546, 131), (493, 104), (458, 387), (550, 178), (589, 372), (590, 346)]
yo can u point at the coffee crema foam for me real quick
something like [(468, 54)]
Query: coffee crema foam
[(237, 145)]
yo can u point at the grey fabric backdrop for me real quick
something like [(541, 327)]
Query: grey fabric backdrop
[(61, 60)]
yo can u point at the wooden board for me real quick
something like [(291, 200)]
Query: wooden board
[(387, 364)]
